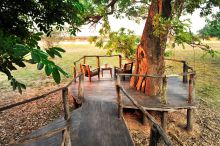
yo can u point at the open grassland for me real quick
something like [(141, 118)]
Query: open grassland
[(207, 68)]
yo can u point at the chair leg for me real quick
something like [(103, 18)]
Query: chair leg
[(90, 79)]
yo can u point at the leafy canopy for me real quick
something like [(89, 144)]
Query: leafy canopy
[(212, 28), (137, 10), (22, 23), (123, 41)]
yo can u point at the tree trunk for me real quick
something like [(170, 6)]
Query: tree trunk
[(150, 52)]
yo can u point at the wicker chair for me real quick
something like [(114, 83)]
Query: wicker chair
[(127, 69), (86, 70)]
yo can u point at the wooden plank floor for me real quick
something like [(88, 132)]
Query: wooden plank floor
[(177, 94), (94, 124)]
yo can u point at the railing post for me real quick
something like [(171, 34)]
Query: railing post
[(120, 61), (81, 88), (154, 136), (189, 124), (84, 60), (185, 71), (120, 109), (164, 115), (74, 71), (66, 140), (191, 88), (164, 89), (65, 103), (97, 61)]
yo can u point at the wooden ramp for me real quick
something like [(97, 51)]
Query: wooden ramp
[(96, 123)]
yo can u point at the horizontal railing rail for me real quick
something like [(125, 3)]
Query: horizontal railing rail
[(65, 138), (186, 68), (157, 133), (191, 83), (3, 108)]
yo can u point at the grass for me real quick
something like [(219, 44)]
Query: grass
[(208, 69)]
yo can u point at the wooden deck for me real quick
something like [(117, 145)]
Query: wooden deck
[(96, 122), (177, 95)]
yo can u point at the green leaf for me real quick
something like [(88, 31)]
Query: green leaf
[(20, 50), (59, 49), (11, 66), (56, 75), (57, 53), (31, 61), (20, 63), (22, 86), (48, 70), (50, 53), (14, 84), (63, 72), (35, 57), (40, 66), (42, 54), (19, 89)]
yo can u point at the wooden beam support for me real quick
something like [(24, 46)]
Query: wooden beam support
[(144, 119), (74, 71), (164, 123), (120, 61), (154, 136), (84, 60), (66, 140), (119, 98), (65, 103), (185, 71), (164, 91), (191, 89), (81, 88), (98, 62), (189, 125)]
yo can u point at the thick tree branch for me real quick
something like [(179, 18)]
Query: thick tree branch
[(96, 18)]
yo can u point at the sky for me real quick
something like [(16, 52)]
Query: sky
[(197, 24)]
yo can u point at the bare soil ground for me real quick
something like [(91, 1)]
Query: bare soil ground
[(20, 121), (206, 131)]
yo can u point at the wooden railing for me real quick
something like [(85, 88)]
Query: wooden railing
[(191, 85), (186, 68), (84, 58), (191, 91), (65, 131), (157, 133)]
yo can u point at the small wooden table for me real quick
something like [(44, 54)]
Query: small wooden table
[(106, 68)]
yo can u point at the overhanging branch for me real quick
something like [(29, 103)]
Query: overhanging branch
[(96, 18)]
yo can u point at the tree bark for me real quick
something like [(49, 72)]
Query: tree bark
[(150, 52)]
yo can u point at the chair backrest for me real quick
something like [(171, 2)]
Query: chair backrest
[(128, 67), (84, 69)]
